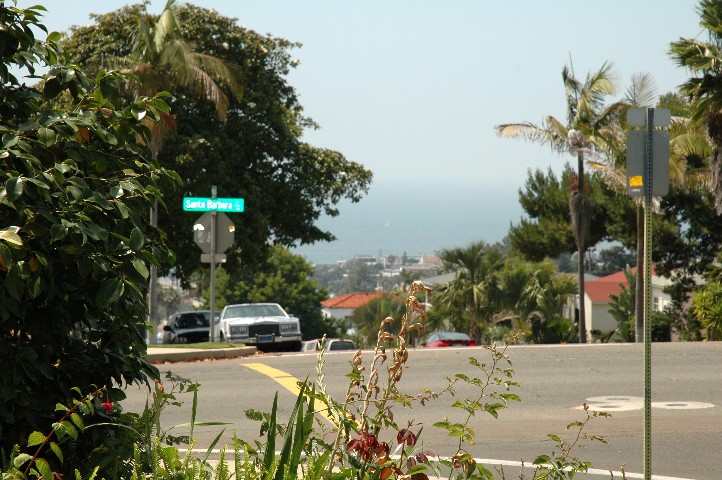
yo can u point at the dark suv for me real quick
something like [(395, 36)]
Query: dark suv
[(188, 327)]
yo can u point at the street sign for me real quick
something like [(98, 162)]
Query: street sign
[(637, 161), (219, 258), (225, 232), (204, 204)]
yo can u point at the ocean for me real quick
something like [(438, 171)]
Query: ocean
[(394, 219)]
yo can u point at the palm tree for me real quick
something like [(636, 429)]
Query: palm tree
[(707, 307), (534, 293), (703, 59), (162, 60), (469, 299), (587, 128), (367, 318)]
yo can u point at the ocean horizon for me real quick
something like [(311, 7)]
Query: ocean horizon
[(417, 220)]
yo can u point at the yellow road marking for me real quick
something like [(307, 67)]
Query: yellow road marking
[(287, 381)]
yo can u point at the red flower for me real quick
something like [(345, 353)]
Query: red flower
[(108, 406)]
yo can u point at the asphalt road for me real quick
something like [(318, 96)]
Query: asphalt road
[(554, 382)]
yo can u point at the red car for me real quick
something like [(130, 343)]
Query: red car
[(449, 339)]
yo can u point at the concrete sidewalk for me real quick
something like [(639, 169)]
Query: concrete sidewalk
[(161, 354)]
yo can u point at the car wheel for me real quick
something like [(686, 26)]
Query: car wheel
[(222, 337)]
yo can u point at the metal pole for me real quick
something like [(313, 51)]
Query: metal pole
[(153, 286), (214, 217), (647, 300)]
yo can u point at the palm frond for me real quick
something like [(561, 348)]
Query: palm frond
[(642, 91), (615, 178), (166, 27), (552, 133)]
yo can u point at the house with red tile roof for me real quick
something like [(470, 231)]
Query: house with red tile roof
[(344, 305), (598, 294)]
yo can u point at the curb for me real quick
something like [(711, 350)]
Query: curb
[(163, 355)]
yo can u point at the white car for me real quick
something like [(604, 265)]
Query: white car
[(264, 325)]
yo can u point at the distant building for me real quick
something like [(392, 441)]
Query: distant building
[(598, 296), (343, 306), (426, 264)]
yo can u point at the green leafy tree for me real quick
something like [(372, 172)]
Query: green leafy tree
[(359, 277), (703, 60), (76, 243), (622, 307), (707, 307), (284, 278), (535, 294), (545, 231), (256, 154), (160, 59), (586, 129), (468, 301), (614, 259)]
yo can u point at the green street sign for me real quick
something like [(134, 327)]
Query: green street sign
[(199, 204)]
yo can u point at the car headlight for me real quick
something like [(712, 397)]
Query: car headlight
[(288, 327), (239, 330)]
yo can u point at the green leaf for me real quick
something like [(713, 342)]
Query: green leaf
[(70, 429), (57, 451), (140, 267), (58, 232), (46, 136), (52, 88), (44, 468), (10, 235), (14, 188), (116, 191), (35, 287), (137, 239), (9, 140), (138, 113), (21, 459), (77, 420), (35, 438), (110, 291)]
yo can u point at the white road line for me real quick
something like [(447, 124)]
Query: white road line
[(622, 403), (509, 463)]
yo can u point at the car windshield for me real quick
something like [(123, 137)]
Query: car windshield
[(447, 336), (192, 320), (340, 345), (237, 311)]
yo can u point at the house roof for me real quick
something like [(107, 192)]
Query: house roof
[(431, 259), (351, 300), (600, 291)]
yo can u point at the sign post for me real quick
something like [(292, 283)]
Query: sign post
[(212, 313), (648, 176), (214, 233)]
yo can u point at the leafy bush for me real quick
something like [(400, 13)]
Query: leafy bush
[(76, 185)]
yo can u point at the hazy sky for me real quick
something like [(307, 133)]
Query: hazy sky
[(413, 88)]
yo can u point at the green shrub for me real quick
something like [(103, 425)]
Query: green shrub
[(76, 185)]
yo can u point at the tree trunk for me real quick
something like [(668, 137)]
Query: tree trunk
[(580, 223), (639, 285)]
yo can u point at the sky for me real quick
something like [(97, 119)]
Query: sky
[(412, 89)]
